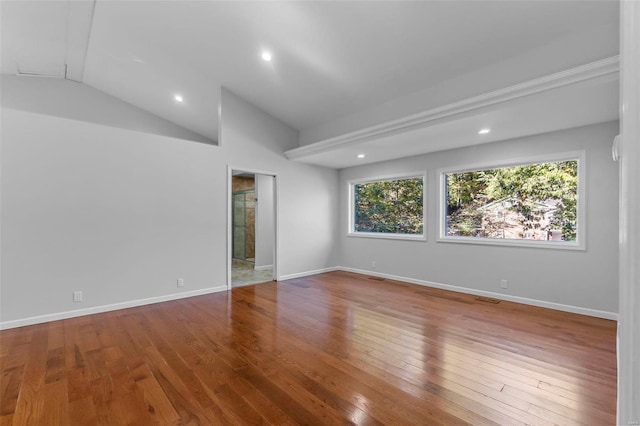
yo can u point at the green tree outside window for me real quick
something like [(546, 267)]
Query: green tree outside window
[(389, 206)]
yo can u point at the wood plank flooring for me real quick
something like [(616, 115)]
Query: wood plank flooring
[(330, 349)]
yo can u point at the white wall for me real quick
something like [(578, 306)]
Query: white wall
[(265, 221), (121, 214), (306, 195), (117, 214), (629, 321), (586, 280)]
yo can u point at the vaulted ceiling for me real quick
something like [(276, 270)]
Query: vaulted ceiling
[(336, 66)]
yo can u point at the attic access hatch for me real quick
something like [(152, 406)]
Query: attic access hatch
[(46, 39), (41, 70)]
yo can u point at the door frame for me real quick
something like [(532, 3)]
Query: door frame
[(276, 216)]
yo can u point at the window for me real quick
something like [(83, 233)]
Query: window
[(523, 203), (387, 208)]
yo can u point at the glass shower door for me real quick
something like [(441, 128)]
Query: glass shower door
[(244, 225)]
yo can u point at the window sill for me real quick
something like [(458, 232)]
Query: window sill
[(405, 237), (537, 244)]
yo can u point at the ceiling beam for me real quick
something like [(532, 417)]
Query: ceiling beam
[(593, 70)]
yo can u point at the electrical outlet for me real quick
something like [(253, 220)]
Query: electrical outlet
[(504, 284), (77, 296), (373, 264), (180, 282)]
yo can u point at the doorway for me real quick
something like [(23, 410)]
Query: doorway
[(252, 228)]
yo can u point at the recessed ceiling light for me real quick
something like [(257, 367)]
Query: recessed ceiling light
[(484, 131), (178, 98), (266, 55), (360, 155)]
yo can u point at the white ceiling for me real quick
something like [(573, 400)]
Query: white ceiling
[(573, 105), (331, 59)]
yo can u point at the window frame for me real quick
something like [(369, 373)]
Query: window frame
[(380, 235), (578, 244)]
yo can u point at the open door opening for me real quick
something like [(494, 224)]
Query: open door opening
[(252, 228)]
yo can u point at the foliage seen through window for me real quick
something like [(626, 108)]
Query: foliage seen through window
[(533, 201), (389, 206)]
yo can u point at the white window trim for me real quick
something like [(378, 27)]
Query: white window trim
[(579, 244), (351, 201)]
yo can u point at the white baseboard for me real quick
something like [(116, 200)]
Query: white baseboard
[(262, 268), (141, 302), (106, 308), (541, 303), (308, 273)]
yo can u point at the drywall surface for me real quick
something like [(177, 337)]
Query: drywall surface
[(121, 215), (568, 52), (77, 101), (306, 195), (118, 215), (629, 320), (265, 221), (584, 279)]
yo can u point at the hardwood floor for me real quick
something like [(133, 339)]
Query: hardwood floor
[(335, 348)]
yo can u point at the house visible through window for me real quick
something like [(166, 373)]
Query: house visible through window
[(388, 208), (525, 202)]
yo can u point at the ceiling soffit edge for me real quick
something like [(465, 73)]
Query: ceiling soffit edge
[(602, 68), (79, 24)]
